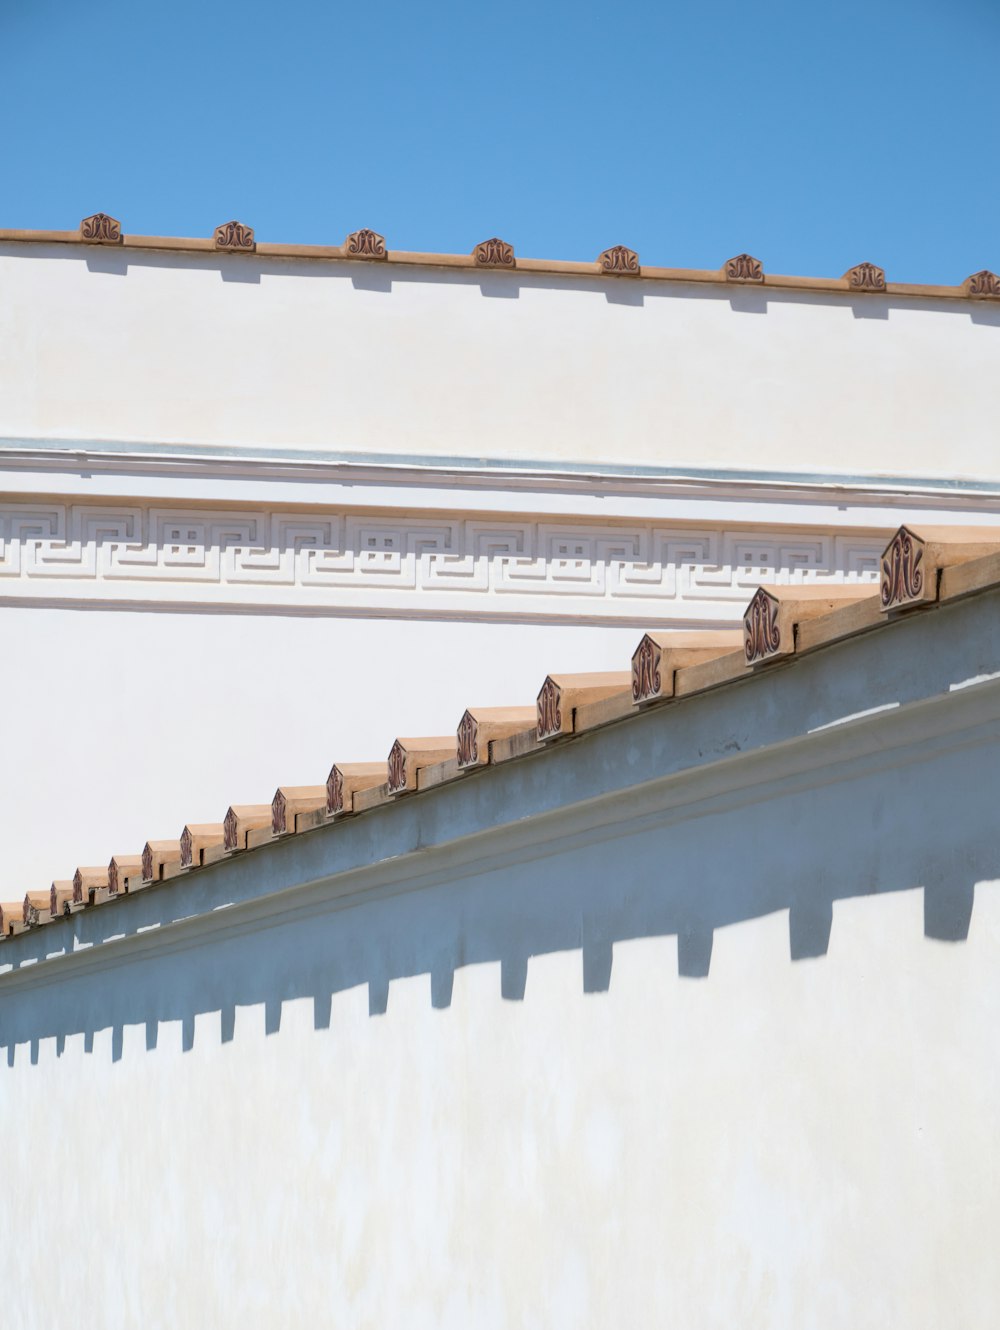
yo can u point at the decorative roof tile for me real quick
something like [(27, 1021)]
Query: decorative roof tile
[(347, 779), (235, 236), (289, 801), (100, 229), (365, 245), (198, 837), (984, 285), (560, 694), (120, 869), (159, 857), (86, 881), (865, 277), (770, 619), (407, 756), (480, 726), (240, 820), (618, 259), (912, 560), (495, 253), (743, 268), (659, 655)]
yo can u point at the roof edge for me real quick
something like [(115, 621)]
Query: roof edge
[(983, 285)]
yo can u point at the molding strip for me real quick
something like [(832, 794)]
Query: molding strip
[(616, 264), (395, 562), (118, 454)]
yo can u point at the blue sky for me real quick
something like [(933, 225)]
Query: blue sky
[(812, 135)]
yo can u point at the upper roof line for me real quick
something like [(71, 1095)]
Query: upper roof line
[(368, 246)]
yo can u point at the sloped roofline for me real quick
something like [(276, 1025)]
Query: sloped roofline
[(921, 568)]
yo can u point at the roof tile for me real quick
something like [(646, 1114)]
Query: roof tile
[(289, 801), (561, 694), (241, 819), (346, 779), (480, 726), (659, 655), (770, 619), (407, 756), (913, 558), (198, 837)]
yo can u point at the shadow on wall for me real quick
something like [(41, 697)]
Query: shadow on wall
[(679, 872), (249, 268)]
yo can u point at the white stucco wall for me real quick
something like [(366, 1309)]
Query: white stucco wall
[(133, 724), (693, 1021), (230, 352)]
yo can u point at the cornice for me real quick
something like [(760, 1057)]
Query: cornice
[(236, 240), (139, 457)]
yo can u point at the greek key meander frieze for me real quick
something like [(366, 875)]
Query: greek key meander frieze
[(131, 550)]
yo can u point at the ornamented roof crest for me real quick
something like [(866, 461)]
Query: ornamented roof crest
[(866, 277), (901, 579), (397, 768), (366, 245), (646, 671), (618, 259), (236, 236), (468, 745), (495, 253), (744, 268), (549, 713), (335, 791), (984, 284), (101, 229), (761, 634)]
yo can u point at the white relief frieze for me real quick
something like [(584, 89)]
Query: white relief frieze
[(290, 557)]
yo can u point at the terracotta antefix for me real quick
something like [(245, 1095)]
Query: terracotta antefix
[(100, 229), (61, 897), (560, 694), (913, 558), (196, 838), (479, 726), (241, 819), (291, 800), (159, 857), (365, 245), (495, 253), (770, 619), (407, 756), (236, 236), (618, 259), (120, 869), (744, 268), (984, 285), (658, 655), (87, 881), (37, 908), (865, 277), (347, 779)]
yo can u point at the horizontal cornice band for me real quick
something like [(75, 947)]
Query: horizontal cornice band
[(731, 275), (170, 555), (321, 464)]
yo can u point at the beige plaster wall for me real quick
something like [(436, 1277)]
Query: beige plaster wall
[(489, 1088), (127, 725), (104, 345)]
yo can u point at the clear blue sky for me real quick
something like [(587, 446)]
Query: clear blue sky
[(813, 135)]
